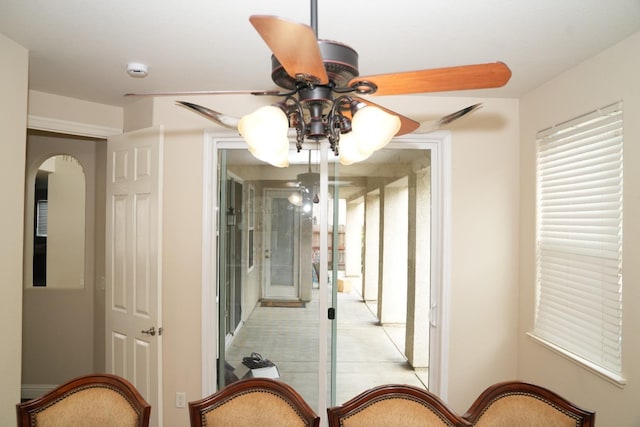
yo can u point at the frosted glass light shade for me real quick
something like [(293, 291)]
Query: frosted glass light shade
[(349, 151), (265, 132), (279, 158), (374, 128)]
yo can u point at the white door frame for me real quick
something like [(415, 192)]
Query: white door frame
[(269, 290), (440, 145)]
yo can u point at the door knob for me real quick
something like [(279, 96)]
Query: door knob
[(151, 331)]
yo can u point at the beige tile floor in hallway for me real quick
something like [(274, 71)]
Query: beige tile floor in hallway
[(367, 353)]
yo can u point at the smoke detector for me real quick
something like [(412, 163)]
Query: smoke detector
[(137, 69)]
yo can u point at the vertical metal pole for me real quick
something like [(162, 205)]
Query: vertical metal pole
[(314, 16), (334, 288)]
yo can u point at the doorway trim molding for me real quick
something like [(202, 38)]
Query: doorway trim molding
[(71, 128), (441, 263), (214, 139), (209, 297), (440, 144)]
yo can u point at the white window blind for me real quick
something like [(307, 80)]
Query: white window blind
[(579, 237)]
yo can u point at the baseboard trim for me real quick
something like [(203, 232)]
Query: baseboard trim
[(33, 391)]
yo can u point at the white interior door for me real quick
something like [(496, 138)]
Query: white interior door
[(282, 246), (133, 281)]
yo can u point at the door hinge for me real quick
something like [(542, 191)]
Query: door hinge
[(331, 314)]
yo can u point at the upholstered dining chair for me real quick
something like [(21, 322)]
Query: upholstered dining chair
[(263, 402), (516, 403), (96, 400), (394, 405)]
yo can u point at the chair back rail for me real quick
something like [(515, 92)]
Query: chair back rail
[(394, 405), (91, 400), (527, 405), (261, 402)]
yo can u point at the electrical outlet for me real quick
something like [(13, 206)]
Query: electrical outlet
[(181, 399)]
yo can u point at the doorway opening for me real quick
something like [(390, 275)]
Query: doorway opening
[(63, 308), (377, 263)]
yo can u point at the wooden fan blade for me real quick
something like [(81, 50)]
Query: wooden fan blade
[(213, 92), (466, 77), (407, 125), (434, 125), (294, 45), (219, 118)]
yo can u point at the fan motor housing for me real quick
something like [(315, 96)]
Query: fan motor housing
[(340, 61)]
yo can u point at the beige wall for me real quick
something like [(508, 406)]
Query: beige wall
[(13, 117), (56, 108), (66, 224), (608, 77), (484, 258), (182, 257)]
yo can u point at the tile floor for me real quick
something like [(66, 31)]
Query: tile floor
[(367, 353)]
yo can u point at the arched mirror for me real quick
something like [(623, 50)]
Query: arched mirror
[(59, 223)]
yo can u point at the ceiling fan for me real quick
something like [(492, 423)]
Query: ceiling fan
[(322, 89)]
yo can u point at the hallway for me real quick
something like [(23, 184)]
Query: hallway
[(367, 355)]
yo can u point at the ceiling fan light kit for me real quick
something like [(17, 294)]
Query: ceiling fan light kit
[(266, 130), (266, 133), (321, 82)]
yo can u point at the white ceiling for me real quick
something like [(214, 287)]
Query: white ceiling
[(80, 48)]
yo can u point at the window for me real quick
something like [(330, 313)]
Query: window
[(579, 239), (42, 214)]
